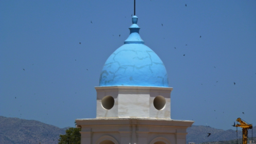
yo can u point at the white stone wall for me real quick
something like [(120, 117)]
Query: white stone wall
[(133, 131), (133, 102), (133, 115)]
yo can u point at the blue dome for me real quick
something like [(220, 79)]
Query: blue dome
[(134, 64)]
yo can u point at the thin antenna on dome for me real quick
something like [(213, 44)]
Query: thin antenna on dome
[(134, 7)]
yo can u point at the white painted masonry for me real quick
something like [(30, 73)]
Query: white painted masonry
[(133, 102), (132, 118), (133, 131)]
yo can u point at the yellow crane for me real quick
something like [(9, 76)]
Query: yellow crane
[(245, 128)]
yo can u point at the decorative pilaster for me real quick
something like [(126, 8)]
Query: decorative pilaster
[(142, 137), (86, 136), (125, 136)]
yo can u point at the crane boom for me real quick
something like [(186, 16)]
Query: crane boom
[(245, 128)]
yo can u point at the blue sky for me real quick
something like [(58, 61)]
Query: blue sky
[(46, 75)]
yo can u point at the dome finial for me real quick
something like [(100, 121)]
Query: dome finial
[(134, 7), (134, 36), (134, 19)]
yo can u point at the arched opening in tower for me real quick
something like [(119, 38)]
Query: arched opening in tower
[(159, 142), (107, 142)]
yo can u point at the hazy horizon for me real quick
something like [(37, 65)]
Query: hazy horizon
[(208, 48)]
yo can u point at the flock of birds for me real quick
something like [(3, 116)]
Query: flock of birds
[(209, 134)]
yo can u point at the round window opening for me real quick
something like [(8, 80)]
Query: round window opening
[(108, 102), (159, 102)]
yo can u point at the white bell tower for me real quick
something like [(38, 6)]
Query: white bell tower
[(133, 99)]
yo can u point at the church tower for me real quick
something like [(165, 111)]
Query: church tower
[(133, 99)]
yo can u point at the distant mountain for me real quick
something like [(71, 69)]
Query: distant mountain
[(235, 141), (198, 134), (20, 131)]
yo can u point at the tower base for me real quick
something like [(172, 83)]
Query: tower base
[(133, 131)]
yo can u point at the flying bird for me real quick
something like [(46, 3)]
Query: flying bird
[(234, 124), (209, 134), (183, 54), (119, 35), (79, 42), (200, 36), (185, 4), (162, 25), (15, 97), (174, 47), (23, 69), (234, 83), (91, 21), (243, 112)]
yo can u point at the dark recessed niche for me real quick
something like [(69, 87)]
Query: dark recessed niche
[(108, 102), (159, 102)]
